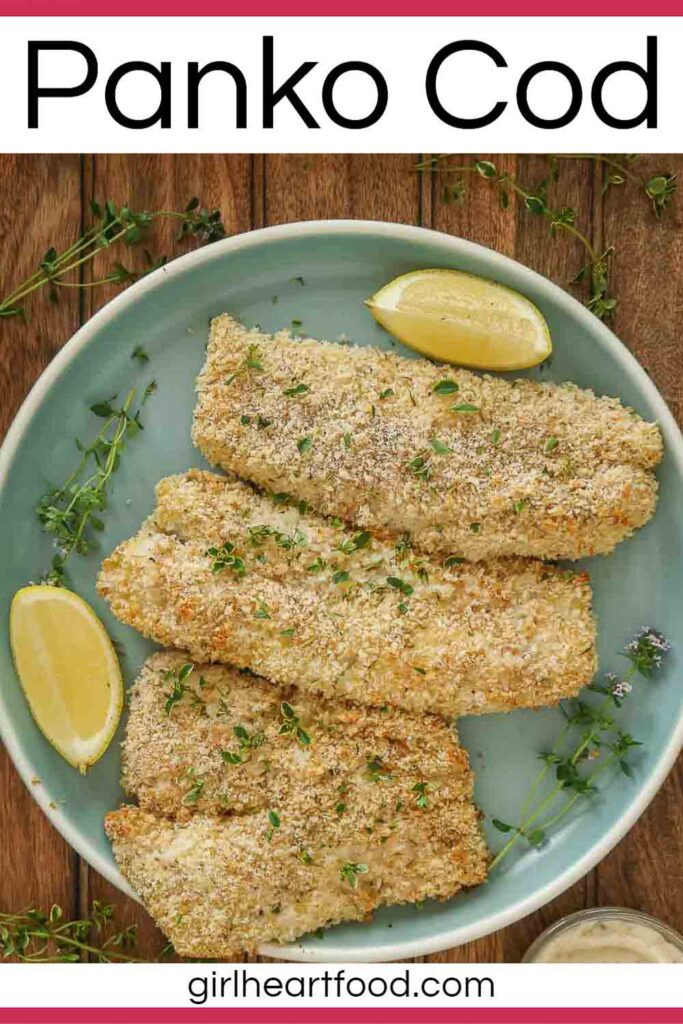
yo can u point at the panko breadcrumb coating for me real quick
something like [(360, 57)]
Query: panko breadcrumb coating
[(232, 576), (214, 740), (467, 465), (221, 886)]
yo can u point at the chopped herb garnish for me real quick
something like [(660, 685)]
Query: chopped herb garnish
[(245, 420), (520, 505), (305, 857), (303, 444), (355, 543), (386, 393), (550, 445), (347, 440), (177, 679), (225, 558), (401, 585), (439, 447), (465, 407), (262, 611), (403, 608), (252, 360), (274, 820), (420, 788), (403, 547), (475, 527), (230, 757), (262, 422), (340, 808), (139, 354), (341, 576), (247, 743), (377, 771), (258, 535), (420, 467), (453, 560), (298, 389), (291, 724), (349, 873), (288, 632), (318, 565), (495, 436), (445, 387), (196, 789)]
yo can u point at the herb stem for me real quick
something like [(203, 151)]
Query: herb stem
[(540, 778), (34, 938), (608, 161), (607, 763), (646, 652), (113, 225)]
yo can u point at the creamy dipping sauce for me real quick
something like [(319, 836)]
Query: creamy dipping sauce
[(612, 941)]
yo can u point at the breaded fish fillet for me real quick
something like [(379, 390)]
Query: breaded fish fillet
[(232, 576), (466, 465), (213, 740), (220, 886)]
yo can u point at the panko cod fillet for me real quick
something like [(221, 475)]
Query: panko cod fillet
[(232, 576), (465, 464), (215, 740), (218, 886)]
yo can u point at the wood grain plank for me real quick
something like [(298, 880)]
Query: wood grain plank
[(644, 871), (154, 182), (376, 187), (39, 207)]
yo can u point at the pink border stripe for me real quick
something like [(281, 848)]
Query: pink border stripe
[(349, 8), (340, 1015)]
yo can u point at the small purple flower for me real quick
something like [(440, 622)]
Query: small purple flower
[(647, 650), (621, 689)]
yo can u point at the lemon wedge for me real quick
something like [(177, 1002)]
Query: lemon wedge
[(69, 671), (460, 318)]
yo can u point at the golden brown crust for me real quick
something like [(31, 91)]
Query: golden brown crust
[(345, 615), (538, 470), (218, 741), (222, 886)]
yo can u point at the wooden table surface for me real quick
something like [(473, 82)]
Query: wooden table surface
[(44, 200)]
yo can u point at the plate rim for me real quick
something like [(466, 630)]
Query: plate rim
[(450, 937)]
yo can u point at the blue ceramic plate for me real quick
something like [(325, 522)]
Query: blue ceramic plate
[(254, 277)]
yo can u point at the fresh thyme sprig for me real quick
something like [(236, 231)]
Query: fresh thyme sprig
[(659, 190), (112, 225), (35, 937), (73, 511), (599, 739)]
